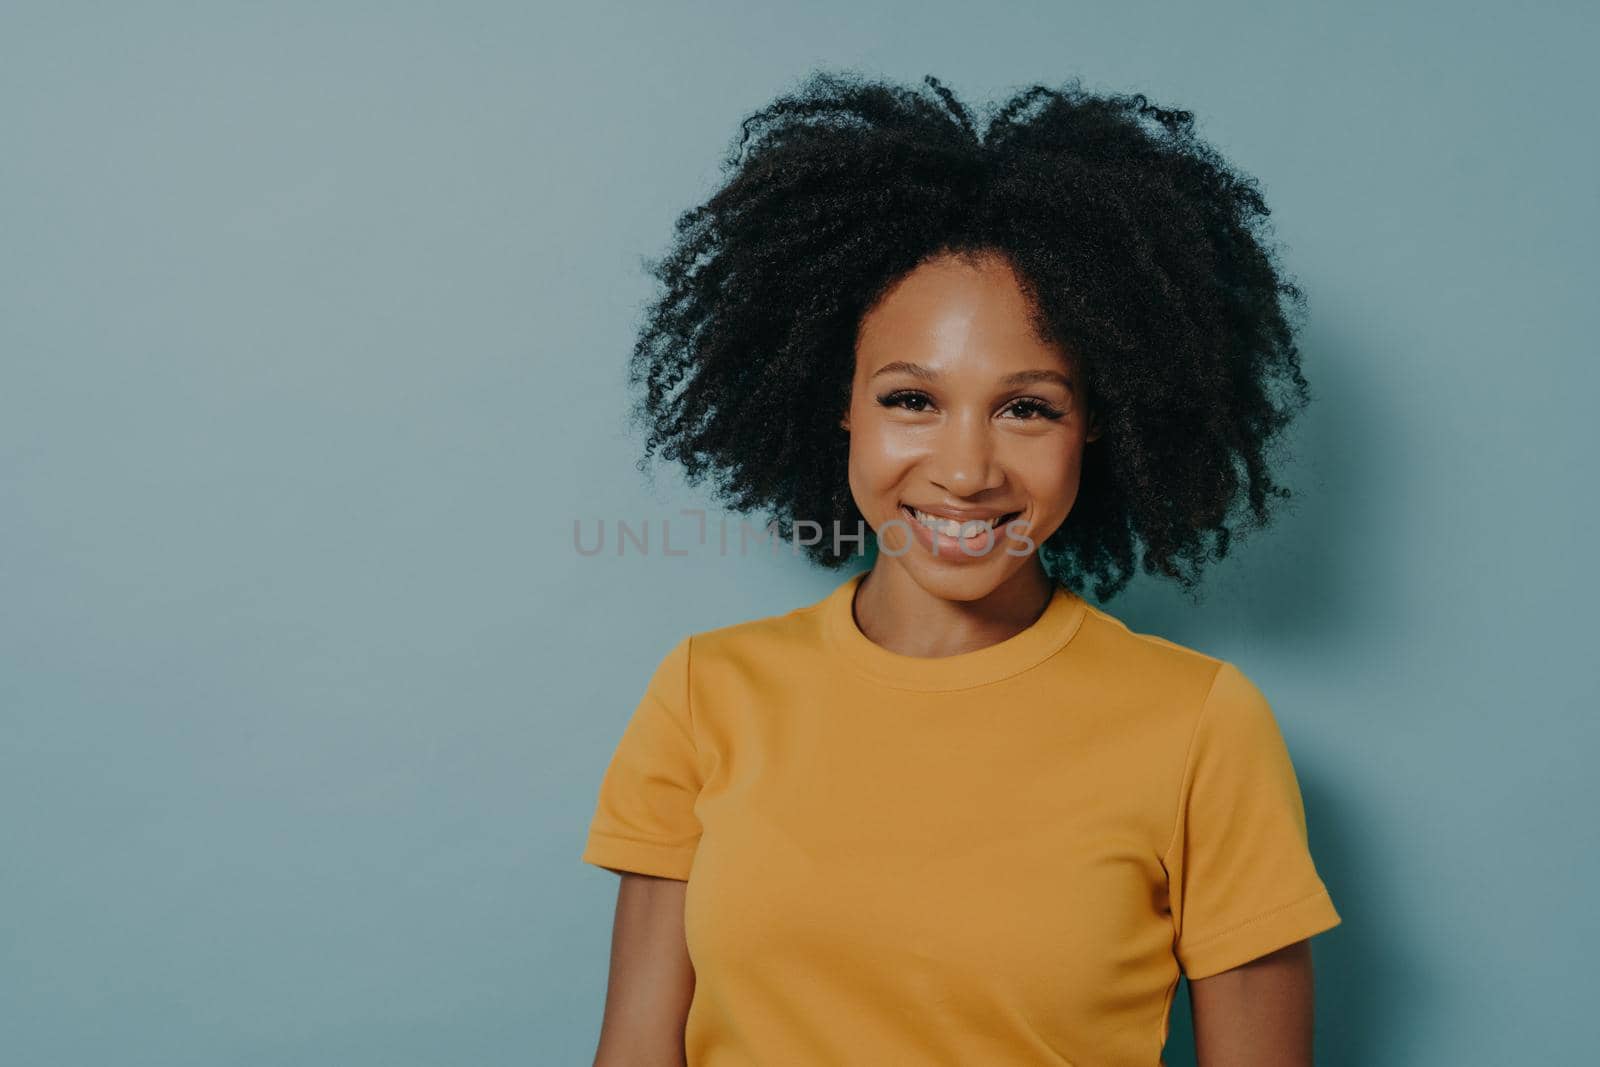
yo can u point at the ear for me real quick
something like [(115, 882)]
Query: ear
[(844, 423), (1095, 429)]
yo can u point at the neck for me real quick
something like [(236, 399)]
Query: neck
[(897, 613)]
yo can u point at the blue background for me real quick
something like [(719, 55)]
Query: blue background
[(313, 320)]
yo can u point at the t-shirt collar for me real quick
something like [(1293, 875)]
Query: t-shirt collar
[(1047, 635)]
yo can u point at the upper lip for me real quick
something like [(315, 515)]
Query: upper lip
[(960, 514)]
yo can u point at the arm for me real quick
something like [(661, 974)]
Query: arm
[(651, 980), (1258, 1014)]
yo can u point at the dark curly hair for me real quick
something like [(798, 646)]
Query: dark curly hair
[(1142, 252)]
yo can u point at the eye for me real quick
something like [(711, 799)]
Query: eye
[(909, 399), (1032, 407)]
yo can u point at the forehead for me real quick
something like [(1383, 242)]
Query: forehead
[(956, 313)]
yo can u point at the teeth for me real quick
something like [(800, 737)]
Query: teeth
[(952, 528)]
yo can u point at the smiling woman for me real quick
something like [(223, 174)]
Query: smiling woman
[(954, 812), (1141, 253)]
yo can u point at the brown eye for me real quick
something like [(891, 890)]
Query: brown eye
[(904, 398), (1030, 408)]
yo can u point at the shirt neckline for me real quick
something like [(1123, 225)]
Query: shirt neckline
[(1047, 635)]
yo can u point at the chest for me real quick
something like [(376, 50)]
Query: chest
[(938, 846)]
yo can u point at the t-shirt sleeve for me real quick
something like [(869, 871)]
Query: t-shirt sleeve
[(644, 819), (1240, 874)]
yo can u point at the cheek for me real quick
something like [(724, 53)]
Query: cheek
[(879, 456), (1051, 475)]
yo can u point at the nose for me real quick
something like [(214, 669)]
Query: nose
[(963, 458)]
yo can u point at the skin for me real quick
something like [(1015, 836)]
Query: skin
[(651, 980), (937, 418), (1258, 1014)]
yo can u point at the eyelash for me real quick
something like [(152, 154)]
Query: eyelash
[(1039, 407)]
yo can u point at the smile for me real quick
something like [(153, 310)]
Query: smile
[(972, 528)]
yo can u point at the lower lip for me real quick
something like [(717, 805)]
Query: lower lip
[(946, 547)]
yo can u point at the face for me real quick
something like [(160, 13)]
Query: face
[(958, 411)]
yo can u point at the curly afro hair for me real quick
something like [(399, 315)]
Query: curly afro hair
[(1143, 252)]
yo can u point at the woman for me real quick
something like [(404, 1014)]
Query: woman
[(953, 813)]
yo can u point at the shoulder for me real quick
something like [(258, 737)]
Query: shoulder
[(1145, 660), (1220, 704), (1213, 713), (763, 636)]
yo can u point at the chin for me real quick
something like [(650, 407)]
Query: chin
[(961, 582)]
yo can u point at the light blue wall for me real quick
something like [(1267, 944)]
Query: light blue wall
[(313, 320)]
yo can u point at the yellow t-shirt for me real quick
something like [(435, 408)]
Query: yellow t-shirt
[(1001, 857)]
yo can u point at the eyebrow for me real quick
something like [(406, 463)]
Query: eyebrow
[(1021, 377)]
